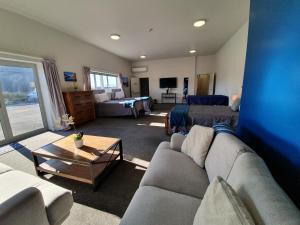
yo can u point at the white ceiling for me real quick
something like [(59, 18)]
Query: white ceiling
[(172, 21)]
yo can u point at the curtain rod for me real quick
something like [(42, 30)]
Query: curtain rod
[(20, 55)]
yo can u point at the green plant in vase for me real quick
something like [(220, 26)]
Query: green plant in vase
[(78, 139), (78, 136)]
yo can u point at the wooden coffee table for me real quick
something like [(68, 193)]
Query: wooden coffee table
[(88, 164)]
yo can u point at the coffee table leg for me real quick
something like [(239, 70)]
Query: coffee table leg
[(94, 184), (121, 150), (36, 165), (96, 180)]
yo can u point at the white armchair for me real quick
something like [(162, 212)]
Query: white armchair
[(25, 208), (29, 200)]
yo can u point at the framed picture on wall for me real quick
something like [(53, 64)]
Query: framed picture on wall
[(125, 81), (70, 76)]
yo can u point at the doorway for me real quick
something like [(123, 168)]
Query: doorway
[(185, 89), (22, 112), (203, 84), (144, 86)]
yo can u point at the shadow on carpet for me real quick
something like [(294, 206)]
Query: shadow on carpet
[(113, 194)]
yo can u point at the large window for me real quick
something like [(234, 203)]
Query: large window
[(21, 107), (103, 80)]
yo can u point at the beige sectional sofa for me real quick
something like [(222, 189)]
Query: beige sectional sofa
[(173, 185), (29, 200)]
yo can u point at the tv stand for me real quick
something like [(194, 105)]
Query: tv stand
[(168, 96)]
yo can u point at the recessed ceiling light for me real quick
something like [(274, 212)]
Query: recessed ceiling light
[(115, 36), (193, 51), (199, 23), (143, 57)]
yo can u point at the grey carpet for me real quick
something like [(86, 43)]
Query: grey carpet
[(107, 205)]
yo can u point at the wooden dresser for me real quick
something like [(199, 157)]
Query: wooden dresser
[(80, 105)]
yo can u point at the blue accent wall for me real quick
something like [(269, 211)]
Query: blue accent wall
[(270, 108)]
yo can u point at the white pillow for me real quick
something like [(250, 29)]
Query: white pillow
[(119, 95), (236, 104), (109, 95), (222, 206), (197, 143), (101, 97)]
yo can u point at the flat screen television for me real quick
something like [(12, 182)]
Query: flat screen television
[(170, 82)]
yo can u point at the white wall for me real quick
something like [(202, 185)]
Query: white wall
[(230, 63), (175, 67), (206, 65), (25, 36)]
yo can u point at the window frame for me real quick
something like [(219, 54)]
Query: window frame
[(103, 76)]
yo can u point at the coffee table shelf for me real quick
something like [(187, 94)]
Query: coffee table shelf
[(87, 164), (75, 171)]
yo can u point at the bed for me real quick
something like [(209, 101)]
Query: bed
[(182, 117), (208, 115), (119, 107), (122, 107), (208, 100)]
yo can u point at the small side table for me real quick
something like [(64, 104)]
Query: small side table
[(168, 96)]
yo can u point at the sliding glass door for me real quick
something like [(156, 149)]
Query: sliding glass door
[(1, 133), (21, 106)]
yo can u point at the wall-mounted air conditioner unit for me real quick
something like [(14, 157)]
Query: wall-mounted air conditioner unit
[(141, 69)]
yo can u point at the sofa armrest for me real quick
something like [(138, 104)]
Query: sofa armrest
[(25, 208), (4, 168), (176, 141)]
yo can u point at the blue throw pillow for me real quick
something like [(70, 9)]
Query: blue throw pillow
[(223, 128)]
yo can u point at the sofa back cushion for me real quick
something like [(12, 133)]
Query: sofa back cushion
[(265, 200), (222, 154)]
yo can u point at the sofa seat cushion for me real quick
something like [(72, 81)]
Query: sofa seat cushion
[(222, 154), (155, 206), (175, 171), (265, 200), (58, 201)]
